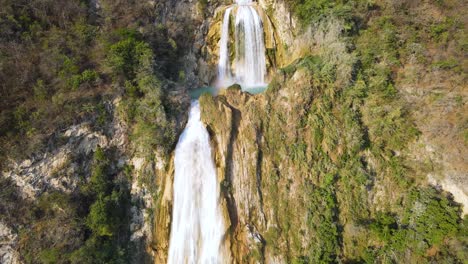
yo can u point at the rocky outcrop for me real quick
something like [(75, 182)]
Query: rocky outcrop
[(254, 179), (60, 168), (281, 29), (8, 243), (67, 157), (236, 162)]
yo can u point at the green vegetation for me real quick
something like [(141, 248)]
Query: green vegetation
[(132, 61), (69, 61), (309, 11), (52, 60), (347, 134), (108, 216), (429, 221), (61, 64)]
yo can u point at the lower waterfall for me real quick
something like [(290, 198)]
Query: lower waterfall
[(197, 223)]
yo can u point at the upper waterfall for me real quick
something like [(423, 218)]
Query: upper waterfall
[(249, 63), (224, 67)]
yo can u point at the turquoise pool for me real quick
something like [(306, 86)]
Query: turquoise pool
[(195, 94)]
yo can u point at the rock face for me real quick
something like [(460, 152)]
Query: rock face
[(162, 218), (258, 187), (188, 24), (280, 30), (58, 169), (237, 157), (8, 241)]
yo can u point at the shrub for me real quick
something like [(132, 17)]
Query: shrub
[(433, 216), (40, 91), (313, 10), (100, 182), (100, 219), (132, 59)]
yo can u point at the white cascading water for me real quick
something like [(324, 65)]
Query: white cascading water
[(197, 228), (250, 63), (224, 67)]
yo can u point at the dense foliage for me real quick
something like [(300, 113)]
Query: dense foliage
[(348, 137), (108, 215), (59, 62), (63, 63)]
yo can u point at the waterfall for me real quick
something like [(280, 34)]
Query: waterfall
[(250, 48), (224, 68), (197, 224), (249, 63), (197, 227)]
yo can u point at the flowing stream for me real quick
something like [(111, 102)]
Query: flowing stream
[(197, 224)]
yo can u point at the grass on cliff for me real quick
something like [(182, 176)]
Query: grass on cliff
[(348, 145), (132, 64)]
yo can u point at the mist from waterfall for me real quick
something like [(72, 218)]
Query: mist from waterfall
[(249, 63), (197, 224)]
